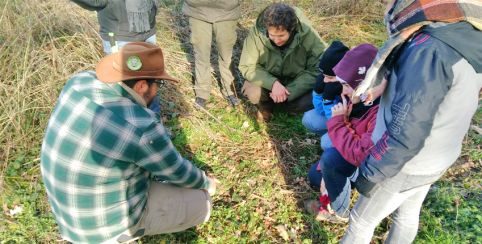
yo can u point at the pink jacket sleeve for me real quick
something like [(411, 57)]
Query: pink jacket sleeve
[(353, 141)]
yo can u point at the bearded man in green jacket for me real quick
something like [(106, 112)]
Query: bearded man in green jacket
[(280, 60)]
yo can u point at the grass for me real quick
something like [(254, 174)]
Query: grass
[(262, 166)]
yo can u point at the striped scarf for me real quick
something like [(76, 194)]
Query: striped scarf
[(406, 17)]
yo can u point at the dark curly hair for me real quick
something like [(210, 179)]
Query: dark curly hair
[(280, 15)]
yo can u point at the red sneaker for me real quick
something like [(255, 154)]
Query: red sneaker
[(322, 210), (327, 214)]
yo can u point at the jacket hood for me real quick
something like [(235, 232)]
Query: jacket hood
[(463, 38)]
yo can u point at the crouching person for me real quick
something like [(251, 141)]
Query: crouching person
[(280, 61), (349, 132), (110, 169)]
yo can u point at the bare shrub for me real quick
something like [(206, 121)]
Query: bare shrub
[(41, 44)]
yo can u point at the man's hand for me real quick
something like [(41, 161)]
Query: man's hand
[(212, 185), (342, 108), (279, 93)]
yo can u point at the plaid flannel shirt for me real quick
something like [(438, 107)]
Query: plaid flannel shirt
[(99, 153)]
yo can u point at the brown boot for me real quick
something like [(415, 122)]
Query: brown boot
[(265, 112), (264, 115)]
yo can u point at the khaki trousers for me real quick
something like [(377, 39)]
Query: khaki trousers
[(169, 209), (201, 38)]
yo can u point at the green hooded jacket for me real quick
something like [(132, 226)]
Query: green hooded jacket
[(212, 10), (262, 63)]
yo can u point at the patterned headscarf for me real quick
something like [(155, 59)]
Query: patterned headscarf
[(406, 17)]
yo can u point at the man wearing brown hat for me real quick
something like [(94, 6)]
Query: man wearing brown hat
[(109, 168)]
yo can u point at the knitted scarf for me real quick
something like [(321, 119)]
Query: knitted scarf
[(138, 14), (406, 17)]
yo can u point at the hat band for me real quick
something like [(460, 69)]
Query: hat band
[(121, 70)]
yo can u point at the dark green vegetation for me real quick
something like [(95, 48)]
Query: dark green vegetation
[(262, 166)]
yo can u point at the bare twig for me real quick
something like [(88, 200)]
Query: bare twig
[(476, 129)]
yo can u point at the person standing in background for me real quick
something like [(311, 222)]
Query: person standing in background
[(205, 18), (123, 21)]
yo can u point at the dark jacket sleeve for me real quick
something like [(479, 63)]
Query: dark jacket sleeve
[(421, 81), (93, 5)]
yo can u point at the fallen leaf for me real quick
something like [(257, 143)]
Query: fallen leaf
[(282, 232), (269, 144), (245, 125), (289, 142), (293, 234), (309, 141), (17, 209)]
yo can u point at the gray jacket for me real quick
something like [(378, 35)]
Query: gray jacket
[(426, 109), (212, 10), (112, 16)]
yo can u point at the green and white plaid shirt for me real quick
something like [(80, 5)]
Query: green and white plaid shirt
[(99, 153)]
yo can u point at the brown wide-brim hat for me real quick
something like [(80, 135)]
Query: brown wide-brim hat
[(135, 60)]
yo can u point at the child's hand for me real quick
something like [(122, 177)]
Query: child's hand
[(342, 108)]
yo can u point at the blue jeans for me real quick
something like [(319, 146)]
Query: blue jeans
[(315, 176), (325, 142), (335, 171), (388, 197), (314, 122), (155, 105)]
